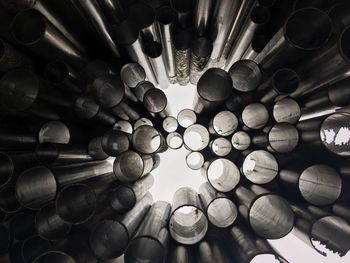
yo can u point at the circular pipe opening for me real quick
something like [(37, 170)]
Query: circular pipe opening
[(56, 72), (245, 75), (225, 123), (174, 140), (54, 132), (240, 140), (223, 175), (142, 122), (220, 146), (115, 142), (255, 116), (6, 168), (95, 149), (122, 198), (201, 47), (142, 88), (76, 203), (54, 257), (85, 108), (344, 43), (141, 15), (108, 90), (194, 160), (259, 42), (8, 200), (285, 81), (260, 167), (286, 110), (153, 49), (132, 74), (123, 126), (186, 118), (145, 249), (196, 137), (283, 137), (170, 124), (182, 6), (165, 15), (155, 100), (222, 212), (146, 139)]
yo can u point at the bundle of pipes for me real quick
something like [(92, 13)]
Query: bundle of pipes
[(85, 117)]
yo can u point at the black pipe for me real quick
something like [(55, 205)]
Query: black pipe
[(246, 75)]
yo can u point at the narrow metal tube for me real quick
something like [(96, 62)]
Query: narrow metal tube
[(165, 20), (22, 226), (295, 39), (179, 253), (154, 52), (220, 146), (269, 215), (115, 142), (317, 184), (48, 224), (151, 239), (196, 137), (260, 167), (194, 160), (222, 174), (110, 237), (132, 74), (8, 200), (31, 29), (255, 116), (246, 75), (184, 11), (113, 11), (214, 87), (156, 102), (221, 211), (200, 53), (202, 16), (186, 118), (256, 46), (11, 58), (182, 44), (286, 110), (130, 166), (188, 223), (240, 140), (212, 249), (258, 17), (170, 124), (95, 149), (147, 140), (33, 247), (174, 140)]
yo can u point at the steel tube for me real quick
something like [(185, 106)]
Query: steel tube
[(182, 44), (110, 237), (269, 215), (188, 223), (22, 226), (132, 74), (202, 16), (214, 87), (113, 10), (151, 239), (258, 17), (170, 124), (174, 140), (241, 140), (196, 137), (148, 140), (220, 146), (156, 102), (221, 211), (317, 184), (194, 160), (295, 39), (8, 200), (33, 247), (95, 149), (115, 142), (255, 116), (11, 138), (200, 53), (32, 30), (286, 110), (11, 58), (256, 46), (186, 118), (246, 75), (184, 11), (165, 20)]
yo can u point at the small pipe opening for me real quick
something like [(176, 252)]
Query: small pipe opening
[(142, 122), (240, 140), (123, 126), (222, 212), (286, 110), (146, 139), (220, 146), (246, 75), (194, 160), (115, 142), (132, 74), (255, 116), (285, 80), (186, 118), (223, 175), (122, 198), (130, 166), (155, 100), (54, 132), (225, 123), (170, 124), (196, 137), (283, 137), (174, 140)]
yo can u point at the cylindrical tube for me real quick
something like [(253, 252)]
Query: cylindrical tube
[(184, 11), (186, 118), (240, 140), (194, 160), (202, 16), (286, 110), (196, 137), (147, 140), (174, 140), (156, 102), (255, 116), (200, 54), (170, 124), (256, 46), (141, 122), (113, 11), (246, 75), (182, 44), (188, 223), (11, 58), (132, 74), (95, 149), (115, 142), (220, 147), (123, 126)]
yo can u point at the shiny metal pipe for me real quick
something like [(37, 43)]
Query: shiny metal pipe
[(246, 75), (339, 14), (170, 124), (111, 237), (286, 110), (142, 88), (241, 140), (256, 46), (95, 149), (11, 58), (31, 29), (165, 17), (255, 116), (141, 122), (130, 166), (113, 11), (186, 207), (260, 167), (196, 137), (48, 224), (33, 247), (221, 211), (174, 140), (213, 88), (269, 215), (132, 74), (222, 174), (156, 102), (8, 200), (186, 118), (287, 47), (124, 197), (22, 226), (247, 247), (194, 160), (258, 17), (182, 44), (5, 238), (317, 184), (148, 140), (127, 36), (184, 10), (115, 142), (202, 16), (200, 53), (220, 147), (281, 138)]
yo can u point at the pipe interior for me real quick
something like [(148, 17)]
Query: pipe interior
[(142, 88), (54, 132), (221, 146), (240, 140), (174, 140), (132, 74), (283, 137), (153, 49), (186, 118), (196, 137), (170, 124), (246, 75), (115, 142), (285, 80), (122, 199), (56, 72), (344, 43), (146, 139), (194, 160), (260, 167), (255, 116), (155, 100), (6, 168), (286, 110), (129, 166), (223, 175), (225, 123), (222, 212)]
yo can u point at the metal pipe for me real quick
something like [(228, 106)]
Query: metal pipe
[(96, 68), (196, 137), (54, 256), (200, 54), (258, 17), (130, 166), (269, 215), (246, 75), (182, 44), (165, 20), (179, 253), (220, 146), (213, 88), (142, 88), (141, 122), (123, 126), (256, 46), (170, 124), (32, 30), (132, 74), (186, 118), (304, 31), (156, 102), (8, 200), (95, 149), (255, 116), (113, 11), (286, 110), (127, 36), (221, 211), (212, 249), (22, 226), (184, 11), (115, 142), (194, 160), (11, 58), (124, 197), (281, 138), (341, 210), (111, 237), (33, 247), (148, 140), (188, 223), (49, 225), (174, 140), (320, 4), (241, 140), (222, 174), (202, 16), (260, 167), (317, 184), (151, 239)]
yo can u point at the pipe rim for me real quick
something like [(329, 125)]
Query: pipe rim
[(155, 100), (170, 138), (186, 118), (129, 173), (199, 163), (236, 137), (170, 124), (278, 80), (228, 221), (196, 144), (245, 75), (142, 134), (54, 132)]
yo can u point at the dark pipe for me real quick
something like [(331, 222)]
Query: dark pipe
[(22, 226), (54, 256), (141, 122), (182, 44), (200, 54), (170, 124), (256, 46), (202, 16), (255, 116), (142, 88), (123, 126), (156, 102), (32, 30), (5, 238), (286, 110), (148, 140), (115, 142), (95, 149), (339, 14), (11, 138), (179, 253), (113, 10), (132, 74), (8, 200), (184, 11), (11, 58), (246, 75), (33, 247), (212, 249), (240, 140)]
